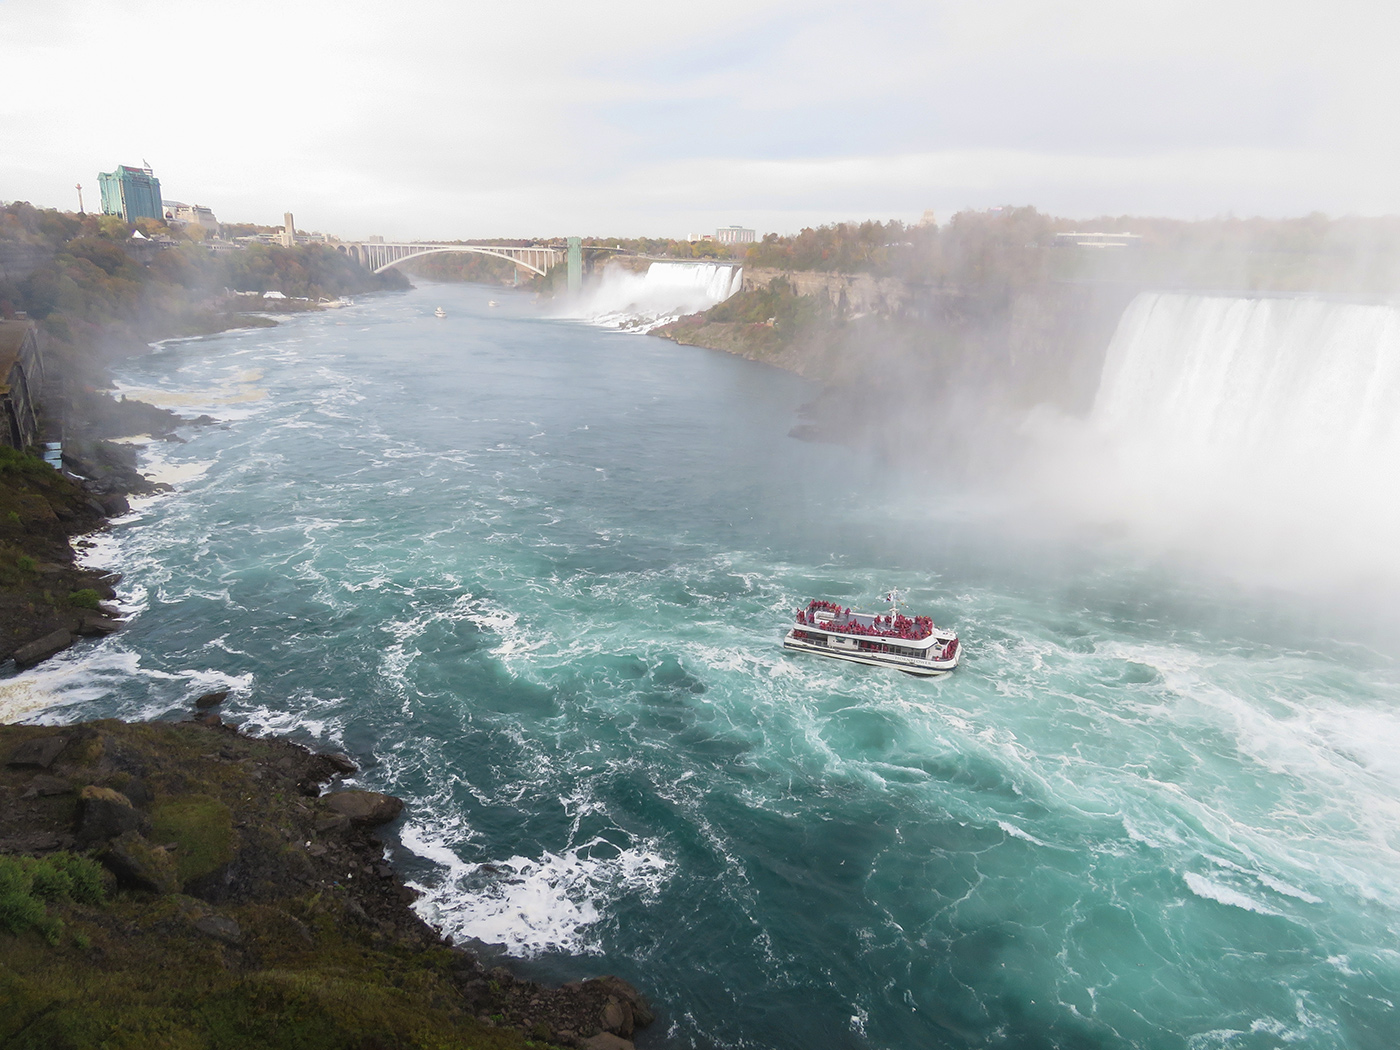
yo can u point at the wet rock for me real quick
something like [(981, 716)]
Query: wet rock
[(37, 651), (220, 927), (211, 699), (342, 764), (43, 786), (136, 863), (94, 624), (606, 1041), (104, 814), (364, 808), (211, 719), (39, 752)]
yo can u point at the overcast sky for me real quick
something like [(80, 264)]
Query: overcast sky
[(420, 118)]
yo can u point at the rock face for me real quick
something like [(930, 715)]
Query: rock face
[(366, 809), (41, 649)]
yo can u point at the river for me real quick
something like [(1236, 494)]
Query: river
[(533, 574)]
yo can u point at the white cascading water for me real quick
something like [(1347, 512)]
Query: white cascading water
[(1267, 430), (642, 301)]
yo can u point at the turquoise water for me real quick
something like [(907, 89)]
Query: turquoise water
[(533, 576)]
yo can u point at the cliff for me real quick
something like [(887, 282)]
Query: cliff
[(178, 884)]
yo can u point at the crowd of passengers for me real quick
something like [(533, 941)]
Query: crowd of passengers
[(894, 625)]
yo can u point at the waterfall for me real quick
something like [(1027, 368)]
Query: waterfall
[(1266, 430), (668, 290), (1256, 383)]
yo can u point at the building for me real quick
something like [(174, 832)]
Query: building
[(132, 193), (21, 379), (178, 213), (734, 235), (1097, 240)]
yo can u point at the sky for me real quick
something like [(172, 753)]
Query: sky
[(426, 119)]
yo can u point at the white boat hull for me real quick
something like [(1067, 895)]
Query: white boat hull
[(909, 665)]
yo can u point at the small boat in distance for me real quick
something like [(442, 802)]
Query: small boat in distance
[(492, 302), (909, 644), (439, 312)]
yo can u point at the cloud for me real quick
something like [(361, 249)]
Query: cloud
[(426, 118)]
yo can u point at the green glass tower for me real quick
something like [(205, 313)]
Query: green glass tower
[(132, 193)]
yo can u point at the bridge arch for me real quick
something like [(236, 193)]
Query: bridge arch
[(546, 256)]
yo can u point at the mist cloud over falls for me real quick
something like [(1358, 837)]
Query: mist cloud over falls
[(1262, 432)]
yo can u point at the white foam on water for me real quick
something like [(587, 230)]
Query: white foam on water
[(1214, 891), (532, 905), (1015, 832)]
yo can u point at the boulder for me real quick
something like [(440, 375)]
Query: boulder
[(211, 699), (366, 808), (44, 785), (39, 752), (95, 624), (37, 651), (606, 1041), (136, 863), (104, 814), (220, 927), (624, 1009), (342, 764)]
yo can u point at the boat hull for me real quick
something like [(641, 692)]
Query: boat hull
[(910, 666)]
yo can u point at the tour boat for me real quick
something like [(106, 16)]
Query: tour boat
[(439, 312), (911, 644)]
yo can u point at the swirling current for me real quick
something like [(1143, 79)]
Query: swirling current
[(533, 574)]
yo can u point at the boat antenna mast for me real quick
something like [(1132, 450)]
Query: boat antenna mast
[(893, 597)]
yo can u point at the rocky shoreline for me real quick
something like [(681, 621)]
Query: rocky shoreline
[(233, 878), (242, 904)]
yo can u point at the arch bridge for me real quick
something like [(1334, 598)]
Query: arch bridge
[(380, 256)]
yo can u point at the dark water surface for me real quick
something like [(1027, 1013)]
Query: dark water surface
[(533, 575)]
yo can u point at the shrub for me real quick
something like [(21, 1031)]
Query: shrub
[(86, 598), (27, 884), (26, 563)]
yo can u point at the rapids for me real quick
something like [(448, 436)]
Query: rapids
[(533, 575)]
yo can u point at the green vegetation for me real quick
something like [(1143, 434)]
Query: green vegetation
[(28, 885), (84, 598), (202, 829)]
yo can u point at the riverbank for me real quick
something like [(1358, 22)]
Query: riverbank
[(236, 906)]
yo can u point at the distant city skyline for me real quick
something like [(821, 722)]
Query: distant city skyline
[(430, 119)]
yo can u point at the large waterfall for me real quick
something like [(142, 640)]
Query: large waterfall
[(666, 291), (1268, 429)]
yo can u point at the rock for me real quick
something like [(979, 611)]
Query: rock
[(36, 651), (211, 699), (104, 814), (606, 1041), (135, 862), (211, 719), (365, 808), (622, 1003), (340, 763), (93, 624), (43, 785), (39, 752), (309, 788), (332, 824), (615, 1017), (220, 927)]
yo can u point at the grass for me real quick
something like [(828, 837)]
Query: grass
[(202, 828)]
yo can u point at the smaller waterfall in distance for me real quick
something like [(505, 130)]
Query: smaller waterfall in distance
[(1265, 430), (667, 290)]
